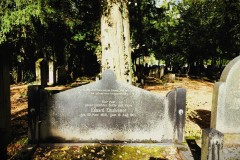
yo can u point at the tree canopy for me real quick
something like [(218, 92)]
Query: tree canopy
[(68, 31)]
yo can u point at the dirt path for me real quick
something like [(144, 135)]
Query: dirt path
[(199, 101)]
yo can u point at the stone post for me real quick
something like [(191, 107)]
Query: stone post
[(181, 111), (5, 109), (52, 72), (177, 111), (212, 145), (33, 113), (41, 72), (161, 71)]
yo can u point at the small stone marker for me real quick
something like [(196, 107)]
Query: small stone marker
[(225, 115), (110, 111), (52, 72), (41, 72), (161, 71), (61, 75), (212, 145)]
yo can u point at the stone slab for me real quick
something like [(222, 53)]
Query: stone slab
[(111, 111), (225, 115)]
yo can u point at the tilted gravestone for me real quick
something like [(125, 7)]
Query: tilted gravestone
[(225, 115), (106, 111)]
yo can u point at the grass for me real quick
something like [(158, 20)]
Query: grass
[(107, 152)]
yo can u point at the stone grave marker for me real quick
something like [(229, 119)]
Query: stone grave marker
[(61, 74), (161, 71), (52, 72), (225, 115), (41, 72), (106, 111)]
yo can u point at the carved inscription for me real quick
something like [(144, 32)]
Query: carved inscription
[(106, 92), (108, 108)]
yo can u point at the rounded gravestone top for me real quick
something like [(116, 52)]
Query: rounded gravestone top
[(232, 66), (108, 76)]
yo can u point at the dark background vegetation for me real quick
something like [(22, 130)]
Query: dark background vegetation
[(190, 32)]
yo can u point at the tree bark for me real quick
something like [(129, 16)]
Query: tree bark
[(4, 103), (115, 39)]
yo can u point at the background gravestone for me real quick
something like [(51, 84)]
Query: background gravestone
[(110, 111), (61, 75), (52, 72), (41, 72), (225, 115)]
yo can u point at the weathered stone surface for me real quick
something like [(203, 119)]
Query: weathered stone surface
[(212, 145), (225, 115), (108, 110)]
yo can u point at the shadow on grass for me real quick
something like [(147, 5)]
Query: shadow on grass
[(194, 148), (152, 158), (202, 119), (19, 125)]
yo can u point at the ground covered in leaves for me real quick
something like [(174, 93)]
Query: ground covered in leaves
[(199, 99)]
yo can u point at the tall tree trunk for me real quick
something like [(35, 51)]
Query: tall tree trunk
[(4, 103), (115, 39)]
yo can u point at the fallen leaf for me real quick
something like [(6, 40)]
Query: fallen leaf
[(65, 148)]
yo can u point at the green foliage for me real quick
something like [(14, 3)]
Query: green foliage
[(14, 14), (69, 30), (187, 31), (56, 29)]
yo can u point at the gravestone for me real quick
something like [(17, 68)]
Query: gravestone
[(52, 72), (41, 72), (225, 115), (61, 75), (107, 111), (161, 71)]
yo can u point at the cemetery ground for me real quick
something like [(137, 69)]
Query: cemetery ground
[(199, 101)]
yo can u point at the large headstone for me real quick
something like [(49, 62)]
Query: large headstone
[(225, 115), (110, 111)]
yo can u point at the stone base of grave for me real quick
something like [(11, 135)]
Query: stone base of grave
[(231, 153), (231, 140), (185, 153), (170, 151), (231, 146)]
